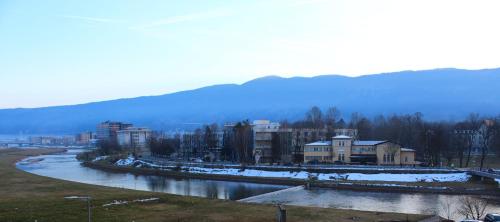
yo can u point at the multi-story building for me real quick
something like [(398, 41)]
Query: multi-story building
[(270, 142), (108, 130), (347, 150), (84, 138), (134, 137), (303, 136)]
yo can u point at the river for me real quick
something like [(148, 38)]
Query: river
[(65, 166)]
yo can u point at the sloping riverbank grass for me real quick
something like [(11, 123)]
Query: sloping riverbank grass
[(28, 197)]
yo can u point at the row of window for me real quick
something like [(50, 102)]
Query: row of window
[(324, 158), (363, 150), (341, 143), (388, 158), (317, 149), (309, 158)]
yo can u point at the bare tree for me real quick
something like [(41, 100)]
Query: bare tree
[(331, 116), (473, 124), (447, 206), (243, 141), (486, 136), (472, 208), (314, 117)]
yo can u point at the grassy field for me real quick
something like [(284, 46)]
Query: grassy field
[(27, 197)]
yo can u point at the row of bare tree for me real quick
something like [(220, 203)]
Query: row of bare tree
[(436, 142)]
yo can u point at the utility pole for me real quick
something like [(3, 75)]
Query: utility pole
[(84, 198)]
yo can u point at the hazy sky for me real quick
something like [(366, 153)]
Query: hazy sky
[(67, 52)]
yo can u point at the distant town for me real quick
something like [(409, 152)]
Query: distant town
[(405, 140)]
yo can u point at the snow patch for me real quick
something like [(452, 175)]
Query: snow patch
[(115, 202), (121, 202), (125, 162), (445, 177), (304, 175), (100, 158)]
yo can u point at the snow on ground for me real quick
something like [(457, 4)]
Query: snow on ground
[(121, 202), (249, 173), (303, 175), (100, 158), (125, 162), (444, 177)]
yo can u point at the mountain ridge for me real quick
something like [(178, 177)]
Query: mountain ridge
[(439, 94)]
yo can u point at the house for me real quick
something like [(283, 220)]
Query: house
[(345, 149)]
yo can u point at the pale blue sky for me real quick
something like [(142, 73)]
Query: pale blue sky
[(69, 52)]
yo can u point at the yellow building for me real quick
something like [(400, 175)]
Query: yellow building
[(347, 150), (320, 151)]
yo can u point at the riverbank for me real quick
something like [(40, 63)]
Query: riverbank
[(463, 187), (28, 197)]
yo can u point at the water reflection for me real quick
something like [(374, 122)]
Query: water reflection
[(370, 201), (65, 166)]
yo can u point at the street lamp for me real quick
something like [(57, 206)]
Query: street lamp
[(84, 198)]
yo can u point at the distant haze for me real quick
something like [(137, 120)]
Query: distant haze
[(441, 94)]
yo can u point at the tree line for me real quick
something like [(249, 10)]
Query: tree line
[(435, 142)]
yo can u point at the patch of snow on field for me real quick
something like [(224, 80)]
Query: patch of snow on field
[(250, 173), (100, 158), (125, 162), (448, 177), (115, 202), (303, 175), (445, 177)]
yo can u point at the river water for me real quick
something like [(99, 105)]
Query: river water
[(65, 166)]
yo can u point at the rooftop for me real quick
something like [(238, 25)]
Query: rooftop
[(320, 143), (341, 137), (407, 150), (368, 142)]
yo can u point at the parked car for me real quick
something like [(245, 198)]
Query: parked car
[(492, 218)]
